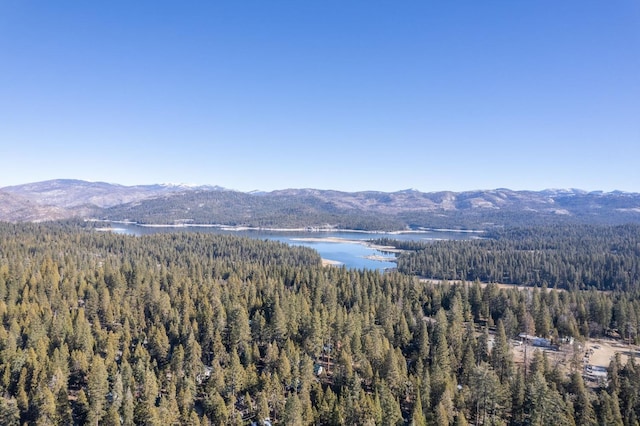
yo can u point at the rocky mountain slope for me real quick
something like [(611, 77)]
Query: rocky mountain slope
[(69, 193), (169, 204), (14, 208)]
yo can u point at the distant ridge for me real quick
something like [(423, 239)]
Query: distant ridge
[(68, 193), (409, 208)]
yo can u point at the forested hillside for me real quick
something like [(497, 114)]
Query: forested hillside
[(297, 208), (240, 209), (374, 210), (196, 328), (569, 257)]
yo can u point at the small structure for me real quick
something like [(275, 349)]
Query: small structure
[(204, 376), (540, 342), (595, 373), (567, 340)]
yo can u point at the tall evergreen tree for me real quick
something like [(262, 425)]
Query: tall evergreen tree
[(98, 386), (582, 406), (501, 356)]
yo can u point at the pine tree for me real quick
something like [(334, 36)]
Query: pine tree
[(583, 409), (216, 409), (443, 414), (46, 406), (461, 420), (63, 408), (441, 364), (262, 406), (168, 409), (501, 356), (468, 357), (293, 411), (518, 389), (609, 410), (392, 374), (614, 374), (391, 413), (235, 374), (482, 346), (544, 405), (488, 398), (98, 387), (423, 344), (146, 410), (128, 408), (417, 415), (81, 408), (9, 412), (239, 330)]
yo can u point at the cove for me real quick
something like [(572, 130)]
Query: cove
[(348, 248)]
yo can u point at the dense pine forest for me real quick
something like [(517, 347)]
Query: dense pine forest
[(201, 329), (562, 256)]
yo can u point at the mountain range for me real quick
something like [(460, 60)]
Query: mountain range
[(367, 210)]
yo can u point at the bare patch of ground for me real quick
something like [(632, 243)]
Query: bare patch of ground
[(602, 351), (591, 358), (329, 262), (484, 284)]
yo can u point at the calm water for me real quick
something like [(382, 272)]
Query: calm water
[(351, 253)]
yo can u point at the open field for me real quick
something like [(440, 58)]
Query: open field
[(602, 351), (592, 358), (595, 352), (484, 284)]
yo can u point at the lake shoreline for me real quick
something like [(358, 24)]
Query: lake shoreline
[(306, 229), (348, 248), (329, 262), (366, 243)]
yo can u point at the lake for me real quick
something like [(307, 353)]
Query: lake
[(347, 248)]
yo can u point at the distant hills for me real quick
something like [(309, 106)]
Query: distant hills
[(294, 208)]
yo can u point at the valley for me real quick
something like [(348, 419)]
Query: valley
[(214, 307)]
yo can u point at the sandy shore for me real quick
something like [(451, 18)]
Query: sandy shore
[(389, 249), (329, 262), (380, 258)]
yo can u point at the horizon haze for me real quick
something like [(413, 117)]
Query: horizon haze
[(214, 186)]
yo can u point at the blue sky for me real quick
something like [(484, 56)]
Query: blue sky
[(348, 95)]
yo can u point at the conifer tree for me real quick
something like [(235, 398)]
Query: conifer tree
[(45, 403), (583, 409), (501, 356), (518, 389), (391, 413), (293, 411), (9, 412), (63, 408), (443, 414), (262, 410), (461, 420), (98, 387), (488, 398), (417, 414), (441, 362), (81, 407), (609, 410), (544, 405)]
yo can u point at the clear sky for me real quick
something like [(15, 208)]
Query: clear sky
[(348, 95)]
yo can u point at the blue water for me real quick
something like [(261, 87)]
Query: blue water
[(351, 252)]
